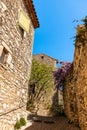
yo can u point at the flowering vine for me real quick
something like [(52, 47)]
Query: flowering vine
[(62, 72)]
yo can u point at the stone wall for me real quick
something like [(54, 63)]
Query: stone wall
[(81, 83), (45, 59), (47, 103), (75, 89), (70, 101), (14, 74)]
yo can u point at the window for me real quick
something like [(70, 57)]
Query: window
[(24, 21), (0, 21), (21, 32), (3, 55), (42, 57)]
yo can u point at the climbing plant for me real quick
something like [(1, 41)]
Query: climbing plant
[(62, 72)]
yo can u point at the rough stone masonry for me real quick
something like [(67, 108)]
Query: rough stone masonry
[(75, 88), (48, 104), (15, 59)]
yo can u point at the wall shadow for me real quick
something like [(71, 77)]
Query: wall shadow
[(49, 123)]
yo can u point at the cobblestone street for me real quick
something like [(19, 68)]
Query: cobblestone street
[(51, 123)]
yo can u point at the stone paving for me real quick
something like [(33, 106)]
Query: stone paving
[(51, 123)]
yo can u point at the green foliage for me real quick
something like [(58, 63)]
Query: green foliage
[(85, 20), (41, 81), (40, 73), (61, 110), (58, 110), (81, 33), (22, 121), (30, 105), (17, 125), (80, 37)]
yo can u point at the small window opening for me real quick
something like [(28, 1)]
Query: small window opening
[(4, 55), (21, 32), (42, 57)]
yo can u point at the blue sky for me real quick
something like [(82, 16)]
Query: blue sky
[(54, 37)]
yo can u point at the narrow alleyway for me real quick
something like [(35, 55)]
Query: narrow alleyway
[(50, 123)]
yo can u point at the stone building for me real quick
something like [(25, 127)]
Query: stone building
[(50, 97), (45, 59), (18, 20), (75, 88), (57, 94)]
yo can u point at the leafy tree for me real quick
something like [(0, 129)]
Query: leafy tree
[(41, 82)]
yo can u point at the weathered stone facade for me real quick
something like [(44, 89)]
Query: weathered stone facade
[(15, 72), (50, 103), (45, 59), (70, 102), (75, 89)]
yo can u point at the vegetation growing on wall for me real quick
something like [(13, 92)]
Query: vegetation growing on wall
[(80, 37), (84, 20)]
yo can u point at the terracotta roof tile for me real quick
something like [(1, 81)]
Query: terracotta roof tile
[(32, 13)]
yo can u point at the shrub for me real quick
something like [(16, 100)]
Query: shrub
[(22, 121), (17, 125), (30, 104)]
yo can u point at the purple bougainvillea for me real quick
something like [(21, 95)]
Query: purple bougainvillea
[(62, 72)]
